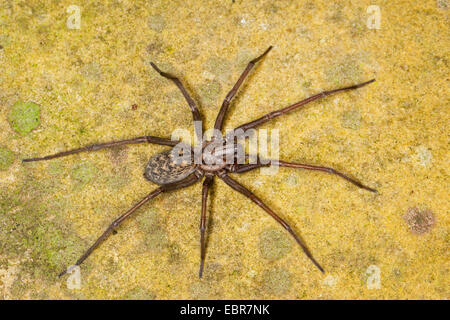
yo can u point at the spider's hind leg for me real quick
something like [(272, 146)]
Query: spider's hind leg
[(206, 185), (243, 190), (241, 168)]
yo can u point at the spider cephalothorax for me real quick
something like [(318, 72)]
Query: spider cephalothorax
[(183, 165)]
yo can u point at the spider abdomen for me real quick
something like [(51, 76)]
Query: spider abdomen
[(163, 168)]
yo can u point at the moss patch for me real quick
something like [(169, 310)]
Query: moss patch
[(24, 117), (6, 158)]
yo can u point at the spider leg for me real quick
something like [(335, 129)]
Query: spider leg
[(240, 188), (240, 168), (280, 112), (221, 115), (206, 185), (114, 225), (168, 187), (195, 112), (95, 147)]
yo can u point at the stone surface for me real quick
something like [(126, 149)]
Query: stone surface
[(84, 81)]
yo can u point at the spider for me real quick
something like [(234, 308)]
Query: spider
[(171, 175)]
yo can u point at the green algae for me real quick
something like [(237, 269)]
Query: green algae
[(31, 228), (24, 117), (6, 158)]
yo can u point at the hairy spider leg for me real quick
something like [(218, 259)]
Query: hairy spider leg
[(221, 115), (169, 187), (241, 168), (240, 188), (95, 147), (195, 112), (285, 110)]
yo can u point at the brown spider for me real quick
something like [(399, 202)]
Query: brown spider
[(170, 175)]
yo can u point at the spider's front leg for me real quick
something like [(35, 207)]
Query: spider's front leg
[(195, 112), (223, 110), (280, 112)]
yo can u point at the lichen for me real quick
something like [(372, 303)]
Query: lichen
[(83, 173), (156, 23), (419, 221), (274, 244), (210, 92), (345, 72), (351, 119), (155, 234), (219, 67), (277, 281), (200, 290), (92, 71), (140, 294)]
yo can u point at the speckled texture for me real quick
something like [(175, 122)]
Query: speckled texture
[(95, 84)]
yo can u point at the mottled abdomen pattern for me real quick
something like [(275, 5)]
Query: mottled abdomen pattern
[(163, 169)]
